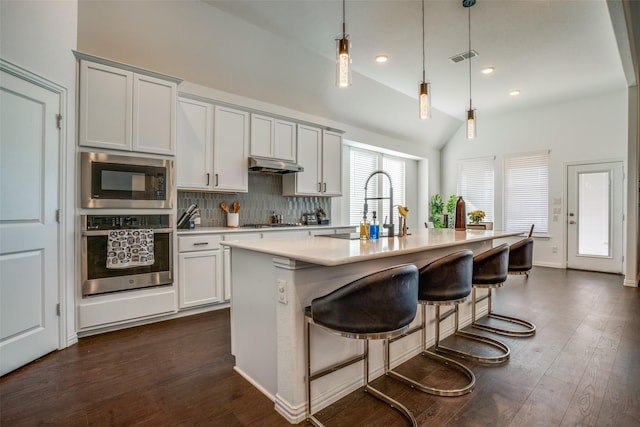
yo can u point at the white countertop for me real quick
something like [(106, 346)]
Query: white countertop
[(227, 230), (331, 251)]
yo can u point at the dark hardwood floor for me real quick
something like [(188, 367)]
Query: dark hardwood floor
[(581, 368)]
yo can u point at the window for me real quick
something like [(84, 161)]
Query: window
[(526, 192), (475, 185), (362, 164)]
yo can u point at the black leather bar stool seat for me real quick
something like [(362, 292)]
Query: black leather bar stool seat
[(490, 270), (445, 281), (378, 306)]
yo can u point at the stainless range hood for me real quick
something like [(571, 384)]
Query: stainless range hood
[(259, 164)]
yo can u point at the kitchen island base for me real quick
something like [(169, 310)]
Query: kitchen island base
[(269, 294)]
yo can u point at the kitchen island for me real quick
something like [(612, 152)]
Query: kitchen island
[(272, 282)]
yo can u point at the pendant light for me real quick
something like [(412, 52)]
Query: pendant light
[(471, 112), (424, 88), (343, 58)]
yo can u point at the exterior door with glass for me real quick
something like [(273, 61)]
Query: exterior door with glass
[(595, 217)]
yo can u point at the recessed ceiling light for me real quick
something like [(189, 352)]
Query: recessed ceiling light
[(488, 70), (382, 58), (514, 92)]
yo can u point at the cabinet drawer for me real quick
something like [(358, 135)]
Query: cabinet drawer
[(198, 243)]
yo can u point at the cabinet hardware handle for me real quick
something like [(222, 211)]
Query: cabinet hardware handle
[(324, 187), (200, 243), (216, 175), (319, 187), (208, 178)]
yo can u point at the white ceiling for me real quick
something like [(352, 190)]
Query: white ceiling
[(550, 50), (283, 52)]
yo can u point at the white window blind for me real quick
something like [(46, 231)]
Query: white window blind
[(475, 184), (396, 168), (362, 164), (526, 192)]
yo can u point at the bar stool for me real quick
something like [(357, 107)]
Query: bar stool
[(521, 255), (378, 306), (448, 280), (445, 281), (490, 271)]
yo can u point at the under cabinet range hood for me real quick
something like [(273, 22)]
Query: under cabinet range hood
[(260, 164)]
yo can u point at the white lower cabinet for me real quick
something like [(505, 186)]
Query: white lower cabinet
[(200, 270)]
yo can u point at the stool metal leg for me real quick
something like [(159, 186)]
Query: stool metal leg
[(367, 387), (499, 345), (433, 356), (529, 328)]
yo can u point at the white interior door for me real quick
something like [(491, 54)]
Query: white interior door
[(595, 216), (29, 176)]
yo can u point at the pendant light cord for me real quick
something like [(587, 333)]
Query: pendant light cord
[(470, 103), (423, 54), (344, 26)]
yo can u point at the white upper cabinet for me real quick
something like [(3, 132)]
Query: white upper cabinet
[(122, 109), (194, 157), (273, 138), (320, 153), (331, 163), (230, 150)]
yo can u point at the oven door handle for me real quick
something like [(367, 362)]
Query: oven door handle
[(106, 232)]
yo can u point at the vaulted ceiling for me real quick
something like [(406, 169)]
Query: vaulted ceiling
[(283, 52)]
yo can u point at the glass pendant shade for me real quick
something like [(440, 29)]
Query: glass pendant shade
[(471, 124), (343, 62), (425, 100)]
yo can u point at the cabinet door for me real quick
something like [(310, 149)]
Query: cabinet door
[(106, 95), (230, 150), (331, 164), (200, 278), (309, 151), (284, 140), (154, 115), (261, 136), (194, 144)]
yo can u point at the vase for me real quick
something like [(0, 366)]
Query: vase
[(461, 215)]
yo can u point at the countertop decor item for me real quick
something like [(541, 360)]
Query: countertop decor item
[(461, 222), (476, 216)]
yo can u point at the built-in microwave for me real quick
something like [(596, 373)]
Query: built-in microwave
[(111, 181)]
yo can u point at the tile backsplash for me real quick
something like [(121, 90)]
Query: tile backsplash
[(256, 206)]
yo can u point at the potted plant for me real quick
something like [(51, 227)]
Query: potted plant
[(476, 216), (436, 207)]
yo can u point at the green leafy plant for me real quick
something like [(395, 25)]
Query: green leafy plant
[(451, 209), (436, 207)]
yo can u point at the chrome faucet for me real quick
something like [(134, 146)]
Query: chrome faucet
[(366, 198)]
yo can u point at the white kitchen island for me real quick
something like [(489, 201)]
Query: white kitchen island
[(272, 282)]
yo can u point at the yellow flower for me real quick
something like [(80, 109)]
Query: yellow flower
[(476, 216)]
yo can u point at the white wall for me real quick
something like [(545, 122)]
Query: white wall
[(39, 36), (581, 130)]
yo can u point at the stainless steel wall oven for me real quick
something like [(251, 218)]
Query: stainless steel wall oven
[(99, 275)]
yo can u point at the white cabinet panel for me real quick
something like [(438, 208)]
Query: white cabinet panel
[(106, 96), (154, 115), (230, 150), (320, 153), (226, 259), (125, 110), (331, 164), (273, 138), (194, 159), (200, 278)]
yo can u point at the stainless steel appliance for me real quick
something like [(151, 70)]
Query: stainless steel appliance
[(98, 279), (110, 181)]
